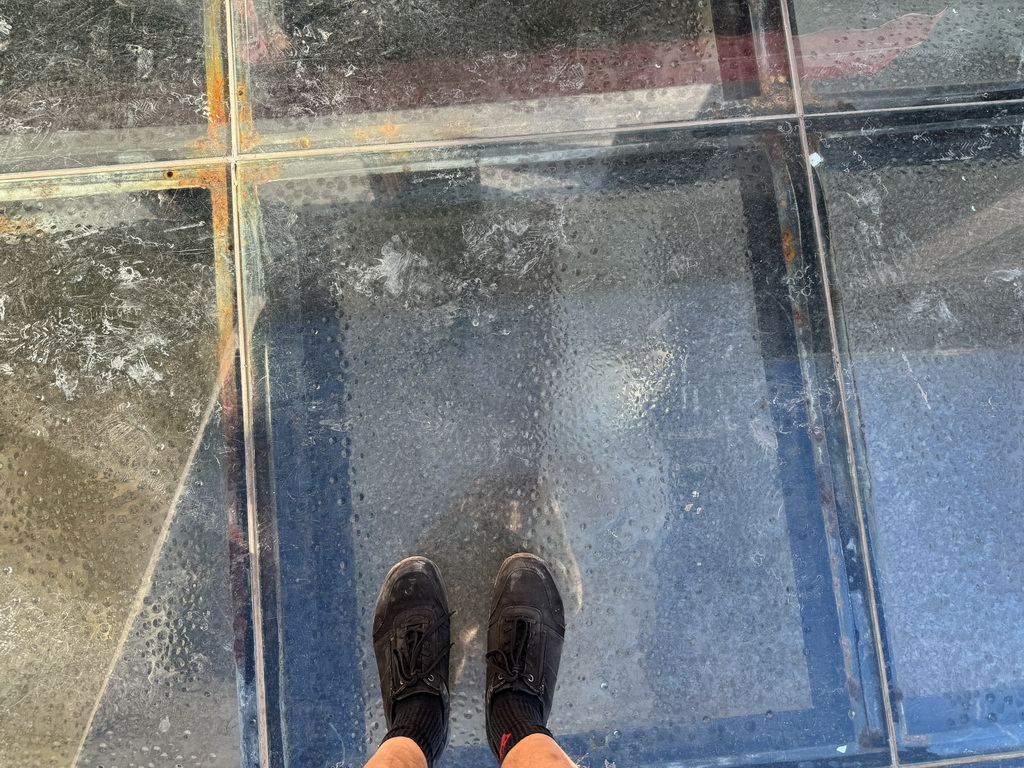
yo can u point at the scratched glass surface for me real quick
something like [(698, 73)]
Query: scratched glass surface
[(367, 72), (115, 628), (928, 234), (85, 82), (468, 358), (860, 54)]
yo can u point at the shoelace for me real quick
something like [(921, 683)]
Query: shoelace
[(510, 664), (407, 655)]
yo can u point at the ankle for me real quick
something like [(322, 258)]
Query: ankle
[(512, 717), (421, 718), (537, 749), (398, 752)]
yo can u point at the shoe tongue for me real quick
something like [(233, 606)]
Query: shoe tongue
[(410, 636), (519, 630), (413, 630)]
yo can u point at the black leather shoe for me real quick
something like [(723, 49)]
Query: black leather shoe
[(525, 632), (412, 636)]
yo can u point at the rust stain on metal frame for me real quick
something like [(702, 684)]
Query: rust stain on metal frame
[(215, 179), (216, 80), (17, 228), (231, 354), (260, 173), (248, 138), (788, 250), (797, 277)]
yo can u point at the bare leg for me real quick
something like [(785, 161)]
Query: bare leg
[(400, 752), (537, 751)]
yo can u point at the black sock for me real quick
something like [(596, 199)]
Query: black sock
[(420, 718), (513, 717)]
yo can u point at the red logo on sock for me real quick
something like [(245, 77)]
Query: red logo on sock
[(504, 743)]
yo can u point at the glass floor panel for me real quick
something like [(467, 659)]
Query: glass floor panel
[(120, 408), (563, 349), (926, 224), (91, 82), (365, 73), (866, 54)]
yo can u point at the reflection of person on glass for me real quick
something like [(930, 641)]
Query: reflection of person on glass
[(412, 641)]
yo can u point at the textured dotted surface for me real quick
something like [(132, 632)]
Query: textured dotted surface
[(929, 265), (590, 346), (88, 82), (870, 54), (562, 357), (108, 363)]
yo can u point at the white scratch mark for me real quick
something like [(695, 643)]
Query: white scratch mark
[(142, 373), (87, 231), (1005, 275), (924, 395), (764, 436), (392, 268), (65, 382), (144, 59), (128, 275), (186, 226)]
